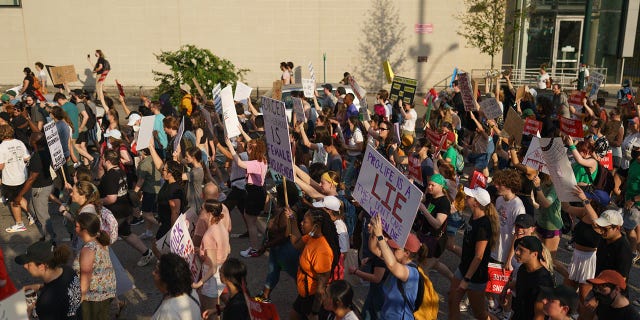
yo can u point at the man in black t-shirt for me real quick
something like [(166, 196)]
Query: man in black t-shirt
[(530, 277), (612, 304), (614, 253)]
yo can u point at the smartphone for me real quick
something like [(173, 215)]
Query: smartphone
[(88, 56)]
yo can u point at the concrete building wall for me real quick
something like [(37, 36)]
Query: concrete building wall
[(252, 34)]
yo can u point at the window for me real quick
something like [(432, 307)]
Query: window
[(10, 3)]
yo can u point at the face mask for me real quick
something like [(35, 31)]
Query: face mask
[(109, 144), (603, 299), (136, 128)]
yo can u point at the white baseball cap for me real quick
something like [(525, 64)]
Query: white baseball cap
[(481, 195), (609, 218), (115, 133), (133, 118), (329, 202)]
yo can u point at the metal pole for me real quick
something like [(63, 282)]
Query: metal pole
[(586, 43), (324, 66)]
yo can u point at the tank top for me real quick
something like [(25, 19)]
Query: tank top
[(585, 235)]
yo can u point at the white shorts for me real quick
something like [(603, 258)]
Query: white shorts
[(213, 287), (583, 266)]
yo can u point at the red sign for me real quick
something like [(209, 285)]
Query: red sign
[(497, 278), (261, 310), (437, 139), (415, 169), (478, 180), (571, 127), (607, 160), (531, 127), (424, 28), (40, 96), (120, 89), (576, 97)]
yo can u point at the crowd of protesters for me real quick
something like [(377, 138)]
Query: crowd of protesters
[(514, 221)]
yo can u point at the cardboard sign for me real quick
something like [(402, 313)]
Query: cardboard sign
[(146, 132), (298, 109), (571, 127), (308, 87), (198, 87), (181, 244), (383, 190), (533, 159), (243, 91), (120, 88), (478, 180), (607, 160), (229, 115), (312, 74), (215, 94), (63, 74), (514, 126), (520, 93), (415, 169), (576, 97), (55, 147), (595, 82), (468, 96), (403, 88), (276, 90), (387, 71), (555, 156), (491, 108), (179, 134), (498, 278), (14, 307), (531, 127), (277, 135)]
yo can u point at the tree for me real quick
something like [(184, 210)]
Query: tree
[(192, 62), (383, 35), (483, 25)]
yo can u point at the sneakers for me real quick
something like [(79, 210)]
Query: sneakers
[(137, 221), (18, 227), (146, 235), (146, 258), (261, 298), (636, 257), (31, 220), (464, 305), (249, 253)]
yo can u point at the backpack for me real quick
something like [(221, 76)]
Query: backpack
[(350, 217), (427, 300), (603, 181), (91, 120), (36, 83), (459, 161), (380, 110)]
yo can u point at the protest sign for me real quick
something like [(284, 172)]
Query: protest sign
[(491, 108), (415, 169), (383, 190), (276, 90), (260, 310), (555, 156), (55, 147), (198, 87), (533, 159), (146, 132), (571, 127), (595, 81), (181, 244), (531, 127), (454, 75), (478, 180), (40, 96), (229, 115), (576, 97), (277, 135), (607, 160), (14, 307), (312, 72), (403, 88), (298, 109), (468, 96), (176, 141), (498, 278), (63, 74), (308, 87), (437, 139), (120, 88), (514, 126), (215, 94), (387, 71), (520, 92), (359, 92), (243, 91)]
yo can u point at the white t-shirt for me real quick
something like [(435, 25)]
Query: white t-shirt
[(356, 137), (410, 124), (13, 154), (507, 213), (542, 80), (42, 76), (343, 235), (388, 110), (181, 307), (238, 175)]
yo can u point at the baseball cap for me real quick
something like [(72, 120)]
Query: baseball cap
[(115, 133), (609, 277), (5, 97), (481, 195), (530, 242), (39, 252), (5, 116), (328, 86), (527, 113), (12, 93), (609, 218), (524, 221), (601, 197), (567, 296), (133, 117), (185, 87), (439, 179), (330, 202), (407, 140), (412, 244)]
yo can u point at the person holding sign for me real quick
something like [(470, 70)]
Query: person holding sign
[(101, 69), (586, 166), (354, 146)]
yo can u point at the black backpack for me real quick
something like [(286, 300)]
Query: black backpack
[(91, 121), (604, 179)]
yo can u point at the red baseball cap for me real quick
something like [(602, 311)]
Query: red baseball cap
[(412, 245)]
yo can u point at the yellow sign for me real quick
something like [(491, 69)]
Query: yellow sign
[(387, 71)]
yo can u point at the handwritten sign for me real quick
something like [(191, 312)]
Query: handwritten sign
[(229, 115), (277, 134), (403, 88), (308, 87), (387, 71), (595, 82), (520, 92), (415, 169), (383, 190), (498, 278), (468, 95), (14, 307), (242, 92), (531, 127), (146, 132), (181, 244), (571, 127), (215, 94), (276, 90), (55, 147), (437, 139), (298, 109), (491, 108), (555, 156), (576, 97), (607, 160), (63, 74), (533, 159), (514, 126), (312, 73)]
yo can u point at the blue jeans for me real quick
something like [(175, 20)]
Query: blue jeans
[(282, 257)]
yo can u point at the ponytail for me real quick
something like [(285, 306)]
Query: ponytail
[(103, 238), (421, 256), (491, 212), (61, 255), (547, 258)]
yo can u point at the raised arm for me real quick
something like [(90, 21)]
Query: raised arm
[(399, 270)]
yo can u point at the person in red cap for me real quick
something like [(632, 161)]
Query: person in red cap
[(612, 304)]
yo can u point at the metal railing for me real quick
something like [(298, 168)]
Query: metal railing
[(566, 77)]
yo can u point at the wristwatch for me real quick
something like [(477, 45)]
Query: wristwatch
[(586, 202), (380, 238)]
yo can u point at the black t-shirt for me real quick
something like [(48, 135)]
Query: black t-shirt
[(21, 129), (170, 191), (105, 65), (614, 256), (434, 206), (40, 163), (627, 313), (60, 298), (236, 308), (527, 290), (476, 230), (30, 88), (114, 181)]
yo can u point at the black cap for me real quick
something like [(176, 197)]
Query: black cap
[(530, 242), (566, 295), (39, 252), (525, 221), (328, 86)]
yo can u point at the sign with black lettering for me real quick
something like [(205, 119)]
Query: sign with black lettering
[(55, 147), (403, 88), (277, 134)]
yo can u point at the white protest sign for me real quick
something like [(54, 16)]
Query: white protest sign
[(229, 115), (555, 156), (311, 72), (176, 140), (308, 87), (181, 244), (491, 108), (55, 147), (146, 132), (383, 190), (14, 307), (533, 159), (217, 102), (298, 108), (243, 91), (595, 80), (277, 134)]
